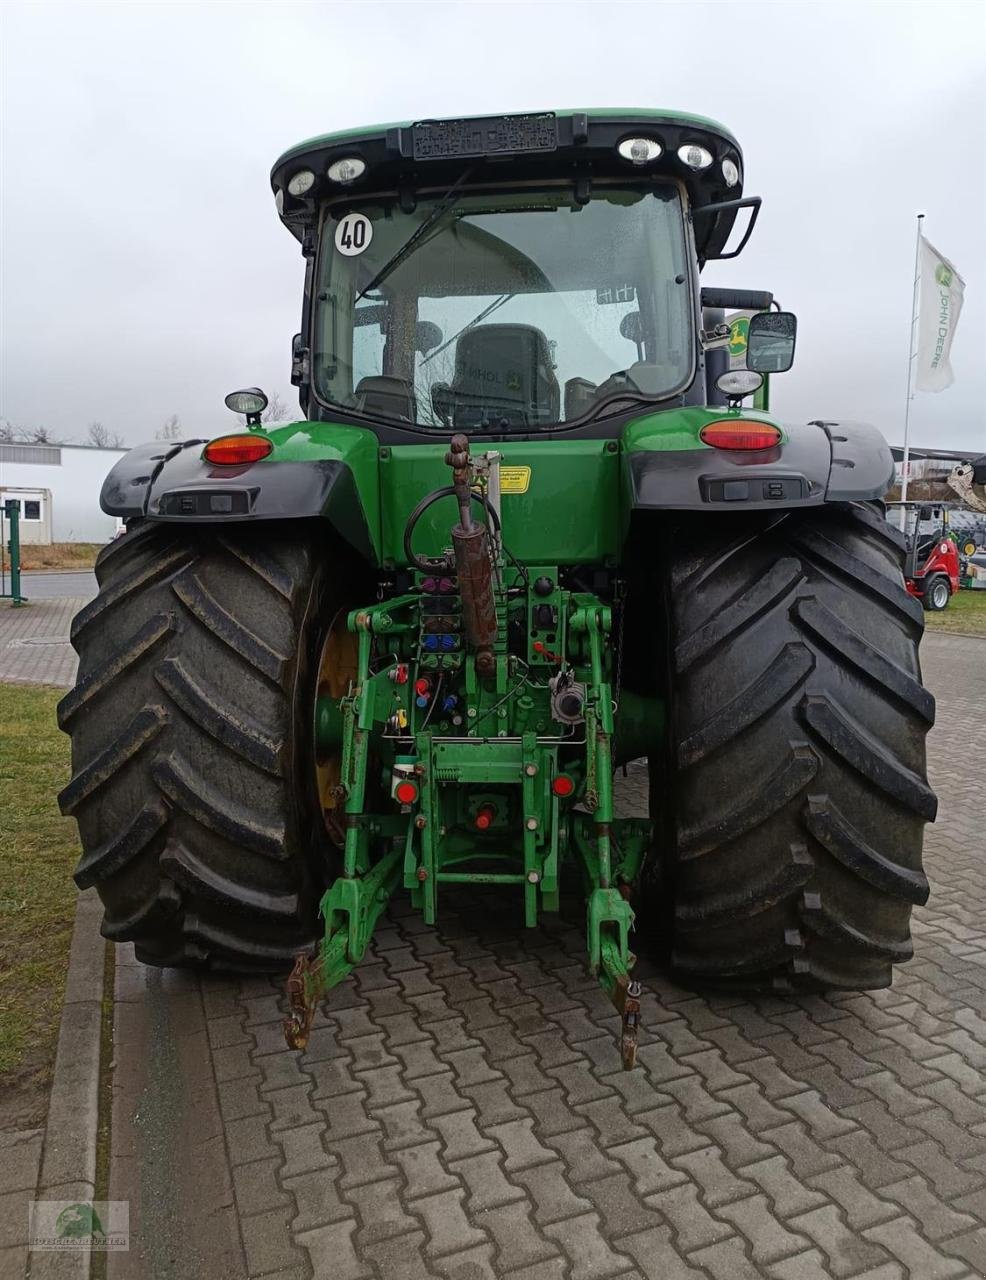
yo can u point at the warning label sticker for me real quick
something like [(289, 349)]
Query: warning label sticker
[(514, 479)]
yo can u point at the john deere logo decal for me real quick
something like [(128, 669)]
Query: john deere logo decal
[(943, 275), (739, 331)]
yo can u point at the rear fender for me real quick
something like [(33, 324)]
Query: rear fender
[(172, 483), (667, 467)]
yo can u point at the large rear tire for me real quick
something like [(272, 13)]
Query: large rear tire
[(796, 783), (193, 779)]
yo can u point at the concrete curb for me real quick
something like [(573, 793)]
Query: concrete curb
[(68, 1161), (945, 631)]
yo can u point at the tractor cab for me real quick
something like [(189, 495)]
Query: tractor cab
[(931, 569), (519, 275)]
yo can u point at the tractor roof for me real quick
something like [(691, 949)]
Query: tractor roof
[(575, 144), (627, 115)]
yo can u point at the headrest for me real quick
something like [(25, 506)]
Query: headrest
[(390, 396), (507, 368)]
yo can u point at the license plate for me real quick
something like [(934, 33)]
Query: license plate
[(487, 135)]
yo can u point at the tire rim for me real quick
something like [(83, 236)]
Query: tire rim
[(337, 669), (939, 596)]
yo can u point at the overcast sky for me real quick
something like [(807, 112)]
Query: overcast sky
[(145, 272)]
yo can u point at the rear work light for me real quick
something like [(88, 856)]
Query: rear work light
[(737, 433), (233, 451)]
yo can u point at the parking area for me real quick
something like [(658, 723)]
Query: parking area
[(461, 1112)]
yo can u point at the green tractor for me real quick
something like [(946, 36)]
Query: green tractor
[(526, 532)]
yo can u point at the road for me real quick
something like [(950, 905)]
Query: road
[(47, 586)]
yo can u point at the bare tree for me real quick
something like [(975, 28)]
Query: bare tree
[(170, 429), (276, 411), (103, 438), (40, 435), (29, 435)]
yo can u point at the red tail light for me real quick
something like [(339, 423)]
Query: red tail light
[(737, 433), (233, 451), (562, 785)]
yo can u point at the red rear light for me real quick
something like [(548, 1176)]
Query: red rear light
[(406, 792), (737, 433), (233, 451), (562, 785)]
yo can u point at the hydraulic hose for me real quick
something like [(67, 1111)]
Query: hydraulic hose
[(448, 491)]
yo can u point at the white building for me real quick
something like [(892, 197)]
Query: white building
[(57, 488)]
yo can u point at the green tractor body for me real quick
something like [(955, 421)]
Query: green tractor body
[(526, 533)]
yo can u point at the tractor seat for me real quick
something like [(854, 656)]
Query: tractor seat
[(392, 397), (924, 547), (504, 372)]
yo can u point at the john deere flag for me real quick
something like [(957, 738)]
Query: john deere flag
[(941, 303)]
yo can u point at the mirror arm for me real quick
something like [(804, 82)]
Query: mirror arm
[(713, 210)]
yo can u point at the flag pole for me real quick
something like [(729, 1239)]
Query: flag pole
[(910, 365)]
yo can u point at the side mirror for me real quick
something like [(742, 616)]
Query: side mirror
[(427, 336), (770, 342), (632, 329), (300, 362)]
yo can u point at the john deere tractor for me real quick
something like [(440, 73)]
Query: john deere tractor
[(531, 527)]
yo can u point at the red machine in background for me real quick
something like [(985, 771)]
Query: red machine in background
[(931, 570)]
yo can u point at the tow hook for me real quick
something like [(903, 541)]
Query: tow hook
[(626, 997), (300, 990)]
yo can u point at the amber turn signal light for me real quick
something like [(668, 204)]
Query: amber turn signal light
[(233, 451)]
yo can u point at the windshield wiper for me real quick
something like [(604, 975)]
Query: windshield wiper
[(446, 202)]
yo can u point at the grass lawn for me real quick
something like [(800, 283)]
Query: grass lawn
[(966, 612), (60, 555), (38, 851)]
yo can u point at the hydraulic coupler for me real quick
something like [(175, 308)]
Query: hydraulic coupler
[(473, 563)]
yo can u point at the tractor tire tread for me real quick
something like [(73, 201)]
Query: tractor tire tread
[(192, 781), (796, 776)]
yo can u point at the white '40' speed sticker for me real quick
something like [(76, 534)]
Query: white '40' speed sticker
[(353, 234)]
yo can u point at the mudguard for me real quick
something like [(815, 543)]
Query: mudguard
[(816, 463), (172, 482)]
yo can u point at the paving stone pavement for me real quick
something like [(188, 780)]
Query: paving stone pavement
[(34, 643), (461, 1112)]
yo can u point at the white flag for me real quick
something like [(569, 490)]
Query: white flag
[(941, 304)]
